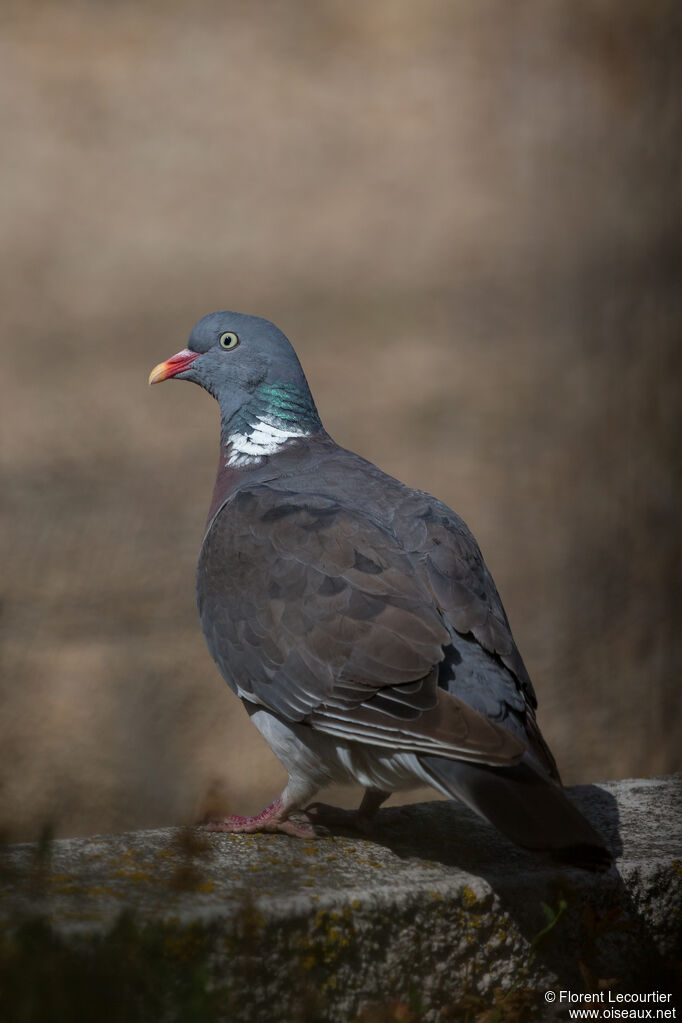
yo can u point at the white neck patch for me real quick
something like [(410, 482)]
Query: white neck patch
[(265, 439)]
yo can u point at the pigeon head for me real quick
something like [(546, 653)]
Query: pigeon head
[(251, 369)]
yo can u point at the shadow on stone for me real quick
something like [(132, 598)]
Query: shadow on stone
[(600, 934)]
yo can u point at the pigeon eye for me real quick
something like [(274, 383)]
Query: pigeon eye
[(228, 340)]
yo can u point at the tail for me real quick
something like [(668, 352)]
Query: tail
[(524, 805)]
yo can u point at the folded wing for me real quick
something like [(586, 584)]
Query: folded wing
[(329, 620)]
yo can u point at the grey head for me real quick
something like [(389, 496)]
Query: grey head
[(252, 370)]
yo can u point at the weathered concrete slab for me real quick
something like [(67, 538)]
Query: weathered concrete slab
[(434, 910)]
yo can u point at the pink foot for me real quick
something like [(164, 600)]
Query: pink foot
[(270, 819)]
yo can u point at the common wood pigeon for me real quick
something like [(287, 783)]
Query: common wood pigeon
[(355, 617)]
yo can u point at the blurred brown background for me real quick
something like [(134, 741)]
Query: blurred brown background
[(467, 219)]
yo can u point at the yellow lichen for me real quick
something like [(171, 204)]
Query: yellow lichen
[(133, 875), (468, 897)]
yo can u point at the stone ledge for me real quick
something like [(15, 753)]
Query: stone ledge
[(435, 910)]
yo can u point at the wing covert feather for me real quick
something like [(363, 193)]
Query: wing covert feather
[(324, 619)]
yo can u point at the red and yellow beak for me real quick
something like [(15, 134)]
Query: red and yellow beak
[(171, 367)]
